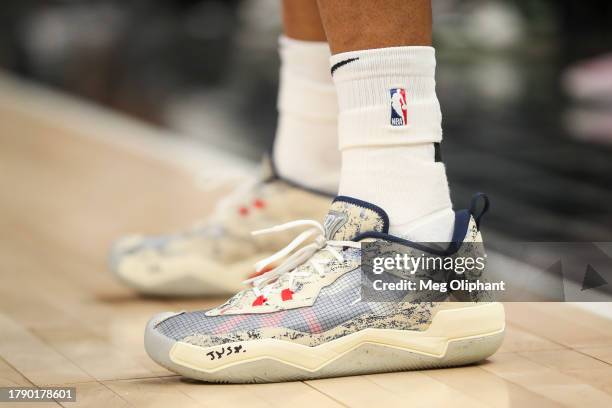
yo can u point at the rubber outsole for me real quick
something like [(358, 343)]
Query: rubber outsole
[(455, 337)]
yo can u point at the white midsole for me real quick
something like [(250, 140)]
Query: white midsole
[(448, 325)]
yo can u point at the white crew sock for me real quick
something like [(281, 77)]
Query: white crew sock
[(305, 148), (389, 121)]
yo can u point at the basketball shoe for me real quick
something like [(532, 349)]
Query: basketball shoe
[(215, 256), (307, 319)]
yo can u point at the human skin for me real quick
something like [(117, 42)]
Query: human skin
[(352, 25)]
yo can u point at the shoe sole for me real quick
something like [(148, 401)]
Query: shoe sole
[(455, 337)]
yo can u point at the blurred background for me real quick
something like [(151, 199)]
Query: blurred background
[(525, 88)]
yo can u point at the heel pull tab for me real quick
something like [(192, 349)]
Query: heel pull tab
[(474, 204)]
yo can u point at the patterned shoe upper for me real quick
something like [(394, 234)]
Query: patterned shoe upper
[(315, 295)]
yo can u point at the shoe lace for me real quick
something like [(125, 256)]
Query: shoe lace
[(305, 254)]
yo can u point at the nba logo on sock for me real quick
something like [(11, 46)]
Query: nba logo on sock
[(399, 110)]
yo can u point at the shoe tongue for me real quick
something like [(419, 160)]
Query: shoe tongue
[(349, 217)]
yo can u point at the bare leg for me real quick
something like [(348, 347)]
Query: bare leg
[(360, 24), (301, 20)]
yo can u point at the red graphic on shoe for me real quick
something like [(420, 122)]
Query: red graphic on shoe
[(258, 203), (286, 294), (243, 211), (260, 300)]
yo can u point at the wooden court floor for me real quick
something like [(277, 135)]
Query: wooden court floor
[(65, 321)]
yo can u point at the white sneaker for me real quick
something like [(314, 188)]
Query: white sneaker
[(307, 319), (215, 256)]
